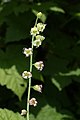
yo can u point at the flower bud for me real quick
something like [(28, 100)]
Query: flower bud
[(39, 15)]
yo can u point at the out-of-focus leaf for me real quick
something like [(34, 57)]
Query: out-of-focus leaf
[(6, 114), (12, 63), (32, 117), (72, 73), (13, 56), (50, 105), (77, 14), (37, 75), (21, 8), (73, 9), (60, 81), (57, 9), (75, 74), (12, 80), (18, 27), (5, 1), (75, 51), (7, 9), (54, 65), (47, 112)]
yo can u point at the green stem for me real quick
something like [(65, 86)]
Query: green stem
[(29, 88), (36, 22)]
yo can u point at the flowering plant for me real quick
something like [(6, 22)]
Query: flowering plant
[(37, 40)]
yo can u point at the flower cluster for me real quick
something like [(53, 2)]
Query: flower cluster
[(37, 40), (36, 30)]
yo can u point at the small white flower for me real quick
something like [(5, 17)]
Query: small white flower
[(27, 52), (41, 27), (39, 15), (34, 31), (26, 75), (37, 43), (33, 102), (37, 88), (23, 112), (40, 37), (39, 65)]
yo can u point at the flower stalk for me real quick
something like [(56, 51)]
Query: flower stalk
[(36, 42), (29, 87), (31, 64)]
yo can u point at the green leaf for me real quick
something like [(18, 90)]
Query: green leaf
[(50, 113), (72, 73), (51, 105), (75, 74), (18, 26), (12, 64), (77, 14), (21, 8), (57, 9), (6, 114), (61, 81), (11, 78), (55, 65)]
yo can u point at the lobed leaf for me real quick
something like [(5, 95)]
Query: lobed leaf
[(50, 113), (11, 78), (6, 114), (12, 63)]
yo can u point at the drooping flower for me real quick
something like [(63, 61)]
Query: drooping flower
[(39, 15), (37, 88), (26, 75), (39, 65), (23, 112), (40, 37), (41, 27), (27, 52), (37, 43), (34, 31), (33, 102)]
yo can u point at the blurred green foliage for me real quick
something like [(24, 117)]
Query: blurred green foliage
[(60, 52)]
